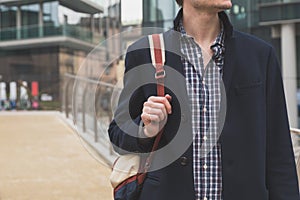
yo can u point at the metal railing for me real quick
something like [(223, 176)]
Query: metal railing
[(295, 133), (36, 31), (86, 102), (92, 121), (296, 145)]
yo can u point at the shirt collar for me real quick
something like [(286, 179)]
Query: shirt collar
[(218, 41), (217, 44)]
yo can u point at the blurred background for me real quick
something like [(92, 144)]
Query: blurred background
[(42, 40), (45, 43)]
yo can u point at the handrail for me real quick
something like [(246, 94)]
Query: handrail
[(295, 131), (50, 30), (89, 124), (91, 120), (88, 80), (296, 146)]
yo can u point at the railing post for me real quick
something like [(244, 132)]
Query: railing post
[(74, 94), (109, 111), (67, 99), (96, 128), (84, 108), (87, 82), (41, 21), (19, 23)]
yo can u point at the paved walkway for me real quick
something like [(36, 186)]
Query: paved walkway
[(41, 158)]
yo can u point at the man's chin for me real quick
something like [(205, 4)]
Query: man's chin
[(228, 5), (225, 7)]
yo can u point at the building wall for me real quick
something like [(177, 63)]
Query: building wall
[(158, 13), (39, 62), (245, 17), (34, 64)]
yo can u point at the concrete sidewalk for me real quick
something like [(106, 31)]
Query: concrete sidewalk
[(42, 158)]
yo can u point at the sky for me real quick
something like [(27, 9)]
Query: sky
[(132, 11)]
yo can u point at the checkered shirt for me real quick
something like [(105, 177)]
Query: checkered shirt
[(204, 91)]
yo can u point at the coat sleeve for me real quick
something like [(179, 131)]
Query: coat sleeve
[(282, 182), (124, 129)]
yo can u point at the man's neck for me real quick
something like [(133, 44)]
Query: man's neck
[(202, 25)]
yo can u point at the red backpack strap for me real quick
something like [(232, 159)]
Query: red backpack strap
[(157, 50)]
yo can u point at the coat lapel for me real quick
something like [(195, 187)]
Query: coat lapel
[(228, 70), (172, 45), (229, 62)]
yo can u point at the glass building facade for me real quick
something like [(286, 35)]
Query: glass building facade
[(275, 21), (159, 13), (42, 40)]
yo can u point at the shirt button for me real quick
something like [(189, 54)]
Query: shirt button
[(203, 82), (205, 198), (205, 166), (199, 55), (205, 138), (205, 109)]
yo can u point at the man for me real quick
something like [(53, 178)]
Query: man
[(253, 157)]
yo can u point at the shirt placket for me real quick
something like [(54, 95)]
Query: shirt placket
[(206, 159), (204, 134)]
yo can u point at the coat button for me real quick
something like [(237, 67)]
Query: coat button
[(184, 161)]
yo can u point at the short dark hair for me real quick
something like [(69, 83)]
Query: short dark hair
[(179, 2)]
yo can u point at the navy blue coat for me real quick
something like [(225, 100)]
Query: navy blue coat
[(257, 155)]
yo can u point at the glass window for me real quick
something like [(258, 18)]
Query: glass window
[(30, 21), (166, 16), (70, 17), (291, 11), (159, 13), (50, 13), (30, 14), (149, 13), (243, 13), (75, 24), (298, 60), (8, 16)]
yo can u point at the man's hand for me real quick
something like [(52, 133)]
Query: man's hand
[(155, 114)]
